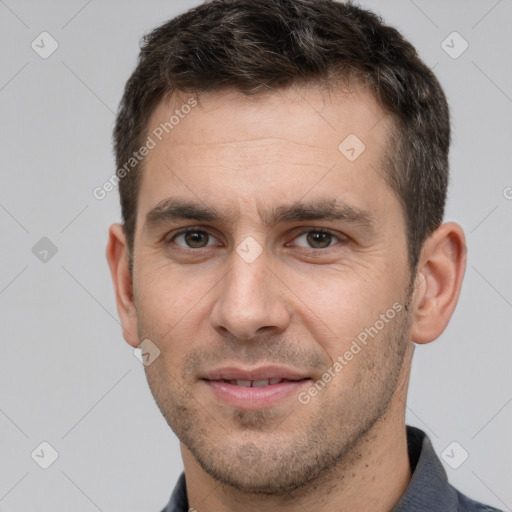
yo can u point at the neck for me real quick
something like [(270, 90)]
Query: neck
[(373, 476)]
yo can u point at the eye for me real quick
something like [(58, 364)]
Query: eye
[(317, 239), (194, 239)]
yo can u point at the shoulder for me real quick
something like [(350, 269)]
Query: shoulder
[(429, 488), (468, 505)]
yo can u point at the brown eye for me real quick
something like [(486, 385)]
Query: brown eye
[(193, 239), (319, 240), (316, 239)]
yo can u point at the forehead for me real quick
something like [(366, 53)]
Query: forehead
[(231, 117), (277, 146)]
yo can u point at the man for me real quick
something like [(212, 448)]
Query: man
[(283, 167)]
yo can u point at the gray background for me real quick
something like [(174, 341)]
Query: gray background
[(67, 376)]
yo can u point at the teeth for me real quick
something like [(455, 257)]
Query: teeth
[(255, 383), (243, 383), (259, 383)]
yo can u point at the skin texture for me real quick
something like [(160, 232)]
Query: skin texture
[(299, 304)]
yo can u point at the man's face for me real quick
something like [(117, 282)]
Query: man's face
[(296, 251)]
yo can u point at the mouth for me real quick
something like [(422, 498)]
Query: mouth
[(260, 383), (258, 388)]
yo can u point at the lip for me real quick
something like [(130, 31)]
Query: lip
[(255, 397), (260, 373)]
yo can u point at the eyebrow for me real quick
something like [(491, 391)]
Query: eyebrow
[(172, 209)]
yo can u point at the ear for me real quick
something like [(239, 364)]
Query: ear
[(438, 282), (117, 257)]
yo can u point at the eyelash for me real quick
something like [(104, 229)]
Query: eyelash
[(339, 237)]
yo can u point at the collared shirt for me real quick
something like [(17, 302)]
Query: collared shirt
[(428, 490)]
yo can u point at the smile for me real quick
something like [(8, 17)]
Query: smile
[(256, 383), (255, 394)]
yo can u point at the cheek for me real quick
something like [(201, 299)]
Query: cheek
[(168, 300), (336, 310)]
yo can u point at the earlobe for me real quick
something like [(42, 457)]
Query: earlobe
[(439, 281), (117, 257)]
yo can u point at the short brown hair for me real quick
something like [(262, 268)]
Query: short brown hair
[(253, 45)]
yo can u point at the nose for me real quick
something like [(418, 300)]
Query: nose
[(251, 299)]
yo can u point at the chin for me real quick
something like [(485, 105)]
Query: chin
[(262, 464)]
